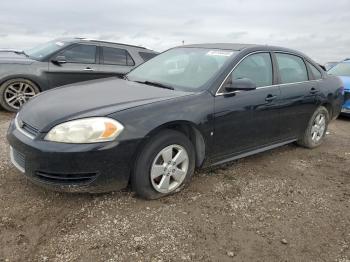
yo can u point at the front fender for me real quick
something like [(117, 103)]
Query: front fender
[(195, 110)]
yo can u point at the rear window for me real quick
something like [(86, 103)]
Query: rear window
[(147, 56), (292, 68), (317, 74), (116, 56)]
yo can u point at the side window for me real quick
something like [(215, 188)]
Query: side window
[(256, 67), (291, 68), (317, 74), (147, 56), (129, 60), (116, 56), (85, 54)]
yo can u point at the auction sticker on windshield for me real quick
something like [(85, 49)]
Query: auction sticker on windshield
[(219, 53)]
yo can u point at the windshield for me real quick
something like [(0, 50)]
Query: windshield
[(341, 69), (46, 49), (182, 68)]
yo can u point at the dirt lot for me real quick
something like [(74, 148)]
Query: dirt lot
[(289, 204)]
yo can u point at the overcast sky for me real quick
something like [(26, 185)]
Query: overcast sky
[(320, 28)]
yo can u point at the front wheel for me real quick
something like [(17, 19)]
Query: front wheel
[(164, 166), (15, 92), (316, 129)]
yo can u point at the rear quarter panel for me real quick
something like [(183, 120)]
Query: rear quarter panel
[(332, 93)]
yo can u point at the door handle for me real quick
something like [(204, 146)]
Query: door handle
[(88, 69), (270, 98), (313, 90)]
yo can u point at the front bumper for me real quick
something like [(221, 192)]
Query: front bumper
[(345, 110), (94, 168), (346, 106)]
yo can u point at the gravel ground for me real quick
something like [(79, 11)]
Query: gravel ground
[(289, 204)]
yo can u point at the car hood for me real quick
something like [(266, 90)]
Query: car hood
[(10, 57), (346, 82), (87, 99)]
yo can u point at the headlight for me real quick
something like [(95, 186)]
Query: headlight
[(87, 130)]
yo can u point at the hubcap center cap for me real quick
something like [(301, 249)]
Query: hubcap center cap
[(169, 168)]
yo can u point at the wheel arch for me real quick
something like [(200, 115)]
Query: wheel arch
[(329, 108), (187, 128), (25, 77)]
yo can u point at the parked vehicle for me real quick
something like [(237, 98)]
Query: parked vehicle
[(24, 74), (329, 65), (343, 71), (189, 107)]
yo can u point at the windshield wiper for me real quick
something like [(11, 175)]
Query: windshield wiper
[(151, 83)]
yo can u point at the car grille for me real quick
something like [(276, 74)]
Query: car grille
[(346, 96), (18, 159), (66, 179), (28, 128)]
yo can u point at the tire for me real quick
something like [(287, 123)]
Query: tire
[(20, 90), (309, 139), (146, 181)]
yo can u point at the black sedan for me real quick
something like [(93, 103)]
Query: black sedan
[(23, 74), (190, 107)]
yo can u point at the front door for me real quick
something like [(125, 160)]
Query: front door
[(75, 64), (246, 120)]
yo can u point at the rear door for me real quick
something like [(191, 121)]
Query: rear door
[(246, 120), (298, 94), (75, 64), (115, 61)]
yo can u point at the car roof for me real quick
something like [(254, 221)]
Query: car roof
[(228, 46), (240, 47), (82, 40), (249, 47)]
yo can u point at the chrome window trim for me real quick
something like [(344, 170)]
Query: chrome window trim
[(21, 130), (262, 87)]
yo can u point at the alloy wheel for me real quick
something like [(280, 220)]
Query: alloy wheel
[(318, 128), (169, 168), (18, 93)]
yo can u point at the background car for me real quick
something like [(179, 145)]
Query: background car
[(191, 106), (23, 74), (329, 65), (342, 70)]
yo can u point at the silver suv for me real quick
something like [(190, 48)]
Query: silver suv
[(23, 74)]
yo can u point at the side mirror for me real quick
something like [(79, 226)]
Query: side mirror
[(243, 84), (61, 59)]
